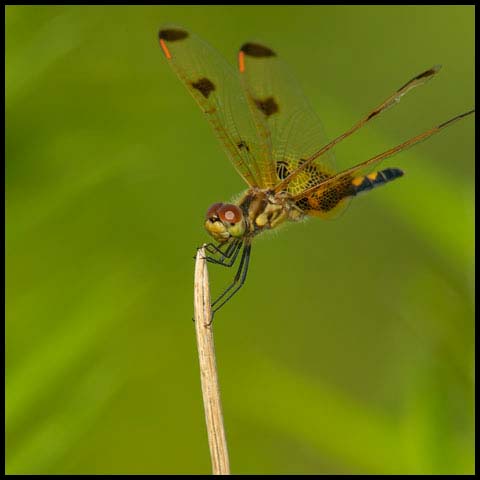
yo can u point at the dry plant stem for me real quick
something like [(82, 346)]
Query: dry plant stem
[(208, 369)]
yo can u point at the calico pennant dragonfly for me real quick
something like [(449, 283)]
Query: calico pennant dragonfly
[(276, 144)]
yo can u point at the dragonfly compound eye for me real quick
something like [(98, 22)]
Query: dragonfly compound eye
[(230, 214), (212, 212)]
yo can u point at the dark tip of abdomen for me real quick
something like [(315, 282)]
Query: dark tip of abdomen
[(392, 173)]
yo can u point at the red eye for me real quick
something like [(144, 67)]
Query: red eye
[(213, 210), (230, 213)]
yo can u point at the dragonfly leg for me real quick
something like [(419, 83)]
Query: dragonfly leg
[(217, 249), (237, 283), (227, 258)]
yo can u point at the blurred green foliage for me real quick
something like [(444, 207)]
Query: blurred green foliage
[(350, 349)]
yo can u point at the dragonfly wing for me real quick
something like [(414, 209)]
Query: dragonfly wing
[(215, 86), (329, 195), (283, 117)]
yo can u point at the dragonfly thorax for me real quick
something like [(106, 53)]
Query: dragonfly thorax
[(265, 210)]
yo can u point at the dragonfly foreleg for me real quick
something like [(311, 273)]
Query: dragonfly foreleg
[(228, 257), (217, 249)]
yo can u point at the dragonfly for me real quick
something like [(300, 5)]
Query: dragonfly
[(276, 143)]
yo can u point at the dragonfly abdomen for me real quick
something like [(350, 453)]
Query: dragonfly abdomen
[(375, 179), (328, 202)]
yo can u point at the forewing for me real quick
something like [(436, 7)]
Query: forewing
[(215, 86), (283, 117)]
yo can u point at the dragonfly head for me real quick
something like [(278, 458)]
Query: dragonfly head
[(224, 220)]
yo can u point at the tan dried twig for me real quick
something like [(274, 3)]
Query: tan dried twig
[(208, 368)]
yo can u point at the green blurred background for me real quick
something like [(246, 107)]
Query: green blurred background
[(350, 349)]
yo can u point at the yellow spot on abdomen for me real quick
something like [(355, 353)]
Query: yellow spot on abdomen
[(357, 181)]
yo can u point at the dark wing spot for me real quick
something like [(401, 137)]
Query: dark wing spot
[(268, 106), (204, 86), (454, 119), (257, 50), (328, 199), (282, 169), (172, 35), (303, 204), (311, 168), (427, 73), (243, 144), (373, 114)]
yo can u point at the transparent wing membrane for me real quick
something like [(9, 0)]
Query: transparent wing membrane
[(285, 118), (215, 86), (389, 102)]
